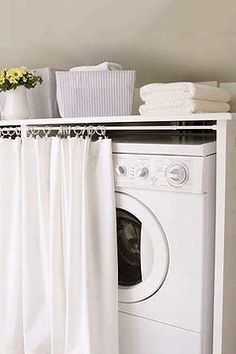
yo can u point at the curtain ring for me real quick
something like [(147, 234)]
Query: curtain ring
[(97, 128), (81, 132), (11, 133), (84, 131), (35, 132), (76, 130), (29, 131), (4, 132), (91, 130), (46, 132), (101, 131), (18, 132)]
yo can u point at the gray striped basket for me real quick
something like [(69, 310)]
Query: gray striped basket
[(95, 93)]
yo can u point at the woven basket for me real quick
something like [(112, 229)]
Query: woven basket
[(95, 93)]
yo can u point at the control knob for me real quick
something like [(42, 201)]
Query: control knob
[(121, 170), (143, 172), (177, 175)]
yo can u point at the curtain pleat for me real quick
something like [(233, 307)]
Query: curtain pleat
[(58, 252), (11, 302), (56, 266), (99, 220), (35, 240)]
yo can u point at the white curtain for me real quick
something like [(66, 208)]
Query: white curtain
[(58, 261)]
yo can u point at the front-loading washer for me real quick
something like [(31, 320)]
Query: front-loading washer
[(165, 197)]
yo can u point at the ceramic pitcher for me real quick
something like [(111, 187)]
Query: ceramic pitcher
[(16, 104)]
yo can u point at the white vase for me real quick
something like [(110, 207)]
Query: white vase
[(16, 104)]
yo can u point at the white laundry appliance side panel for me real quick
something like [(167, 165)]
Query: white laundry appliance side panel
[(180, 300), (141, 336), (209, 254), (225, 264)]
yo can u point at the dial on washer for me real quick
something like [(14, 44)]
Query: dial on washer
[(121, 170), (177, 175), (143, 172)]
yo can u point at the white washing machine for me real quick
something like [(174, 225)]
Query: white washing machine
[(165, 195)]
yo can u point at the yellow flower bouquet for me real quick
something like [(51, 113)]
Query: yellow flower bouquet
[(12, 78)]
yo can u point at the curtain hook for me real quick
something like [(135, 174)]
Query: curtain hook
[(76, 130), (64, 132), (18, 132), (91, 131), (69, 131), (99, 132), (4, 132), (83, 131), (46, 131), (59, 132), (102, 133)]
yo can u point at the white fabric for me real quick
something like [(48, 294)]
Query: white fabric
[(103, 66), (58, 261), (11, 309), (187, 105), (158, 93), (194, 104), (184, 106)]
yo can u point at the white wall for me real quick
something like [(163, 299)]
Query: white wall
[(162, 39)]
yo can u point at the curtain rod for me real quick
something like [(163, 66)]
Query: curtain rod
[(25, 131), (105, 127)]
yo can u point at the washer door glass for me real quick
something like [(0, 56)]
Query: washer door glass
[(129, 246), (143, 255)]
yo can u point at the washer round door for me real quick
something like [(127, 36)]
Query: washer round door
[(143, 254)]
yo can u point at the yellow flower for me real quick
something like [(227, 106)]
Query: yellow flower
[(14, 74), (2, 77)]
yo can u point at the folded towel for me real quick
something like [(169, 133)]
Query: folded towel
[(103, 66), (194, 105), (187, 106), (158, 93)]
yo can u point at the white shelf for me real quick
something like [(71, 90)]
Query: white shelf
[(121, 119)]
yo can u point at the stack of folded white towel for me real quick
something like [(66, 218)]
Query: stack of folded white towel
[(182, 98)]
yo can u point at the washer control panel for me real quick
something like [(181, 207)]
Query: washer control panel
[(179, 173)]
